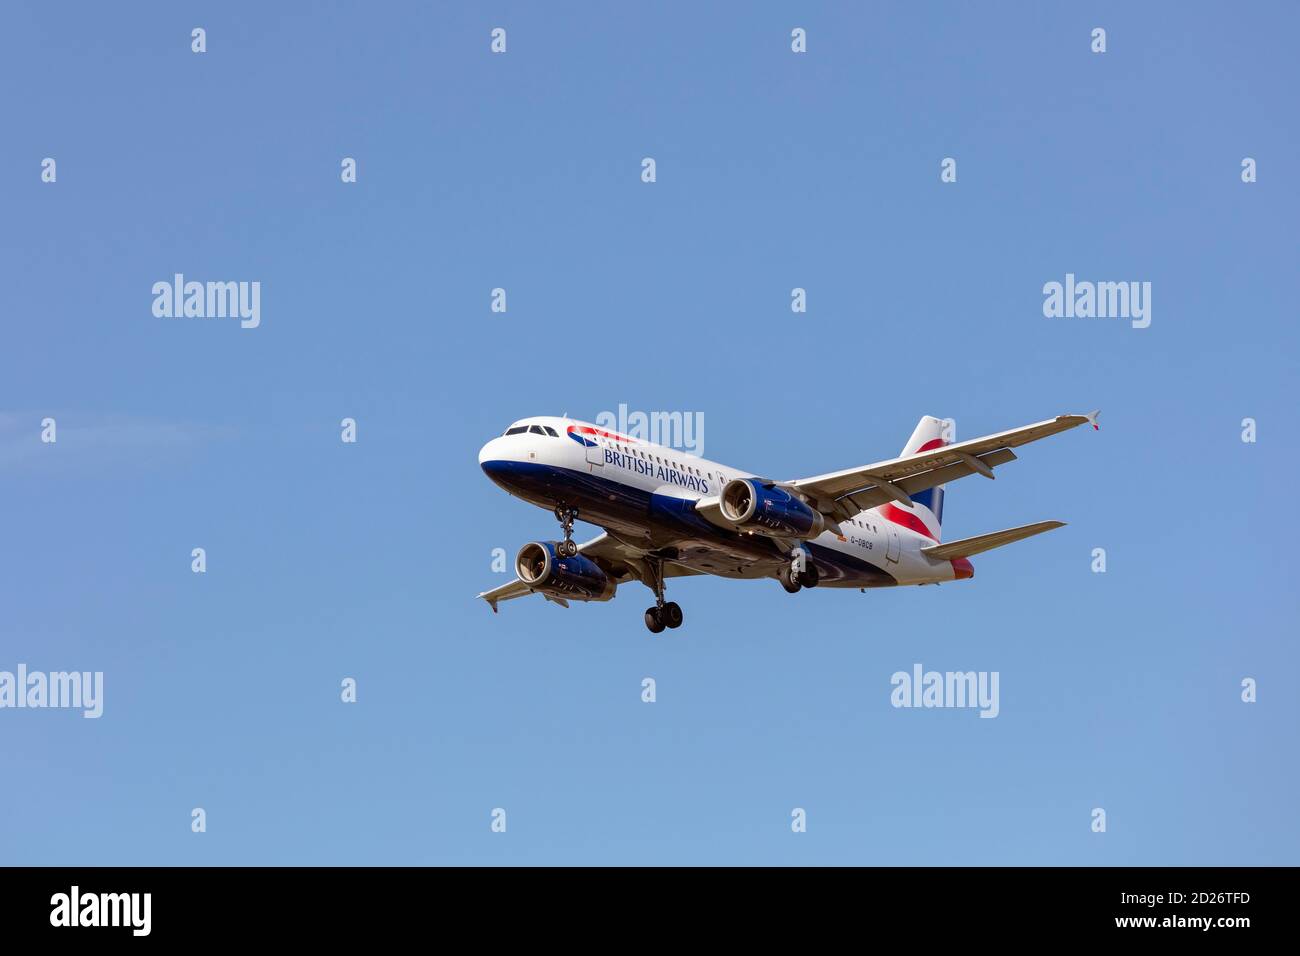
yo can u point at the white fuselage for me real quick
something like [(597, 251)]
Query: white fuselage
[(646, 492)]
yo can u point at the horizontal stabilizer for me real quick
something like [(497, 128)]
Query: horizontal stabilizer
[(967, 547)]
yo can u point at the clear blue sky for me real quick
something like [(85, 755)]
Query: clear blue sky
[(775, 170)]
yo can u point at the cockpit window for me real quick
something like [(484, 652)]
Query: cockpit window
[(534, 429)]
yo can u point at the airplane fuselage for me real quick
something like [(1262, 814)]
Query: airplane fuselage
[(646, 494)]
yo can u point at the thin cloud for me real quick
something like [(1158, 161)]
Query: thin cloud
[(90, 443)]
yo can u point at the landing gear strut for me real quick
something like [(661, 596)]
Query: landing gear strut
[(663, 614), (567, 548), (799, 573)]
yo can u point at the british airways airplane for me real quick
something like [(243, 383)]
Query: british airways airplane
[(667, 514)]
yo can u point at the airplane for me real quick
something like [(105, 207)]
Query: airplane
[(667, 514)]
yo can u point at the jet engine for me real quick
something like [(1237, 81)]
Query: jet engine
[(541, 566), (752, 505)]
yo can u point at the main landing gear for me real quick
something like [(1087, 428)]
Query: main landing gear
[(799, 573), (663, 614), (567, 548)]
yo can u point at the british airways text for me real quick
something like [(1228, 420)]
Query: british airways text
[(667, 475)]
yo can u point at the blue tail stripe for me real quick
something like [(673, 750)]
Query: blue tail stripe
[(932, 498)]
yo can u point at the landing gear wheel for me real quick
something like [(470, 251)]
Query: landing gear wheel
[(662, 614), (789, 580), (566, 515), (809, 576)]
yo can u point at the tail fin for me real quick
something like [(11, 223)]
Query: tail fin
[(927, 514)]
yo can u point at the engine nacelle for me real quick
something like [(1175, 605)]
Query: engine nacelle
[(542, 568), (747, 503)]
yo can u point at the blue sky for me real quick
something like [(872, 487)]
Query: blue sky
[(775, 170)]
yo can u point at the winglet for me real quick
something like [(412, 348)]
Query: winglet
[(1092, 419)]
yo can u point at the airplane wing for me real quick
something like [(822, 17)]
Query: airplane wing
[(621, 561), (506, 592), (843, 494)]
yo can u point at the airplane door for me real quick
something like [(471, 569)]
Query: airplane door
[(893, 550), (595, 454)]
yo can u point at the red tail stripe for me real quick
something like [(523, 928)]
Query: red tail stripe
[(906, 519)]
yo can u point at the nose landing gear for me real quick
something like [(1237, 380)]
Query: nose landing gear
[(567, 548), (664, 613)]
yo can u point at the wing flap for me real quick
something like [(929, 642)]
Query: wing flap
[(872, 497)]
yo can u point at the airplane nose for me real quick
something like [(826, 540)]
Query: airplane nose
[(493, 458)]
